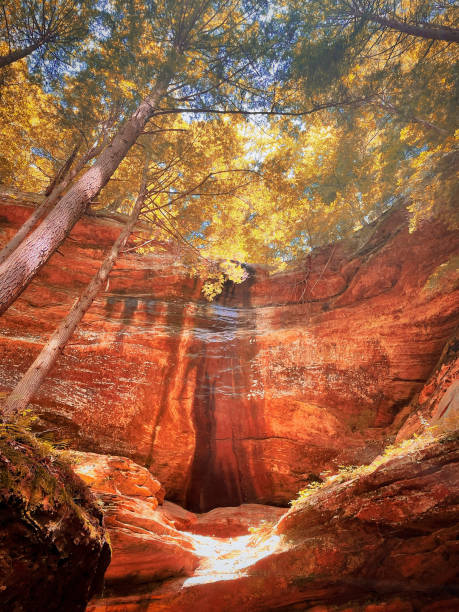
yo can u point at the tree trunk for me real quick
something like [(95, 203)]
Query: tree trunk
[(22, 265), (26, 227), (59, 184), (33, 378), (14, 56), (58, 187), (428, 31), (63, 171)]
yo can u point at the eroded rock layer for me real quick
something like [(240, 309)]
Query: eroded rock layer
[(248, 398), (154, 541), (380, 539)]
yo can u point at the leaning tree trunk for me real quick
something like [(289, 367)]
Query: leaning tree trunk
[(33, 378), (14, 56), (31, 222), (22, 265), (63, 179)]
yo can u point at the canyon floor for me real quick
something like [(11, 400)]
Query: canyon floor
[(381, 537)]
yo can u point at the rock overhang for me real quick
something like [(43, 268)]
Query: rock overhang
[(242, 399)]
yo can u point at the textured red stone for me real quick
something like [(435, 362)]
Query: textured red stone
[(237, 521), (248, 398), (146, 547), (437, 405), (152, 543), (382, 541)]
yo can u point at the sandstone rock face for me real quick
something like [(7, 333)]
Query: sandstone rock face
[(53, 551), (177, 516), (233, 522), (437, 405), (248, 398), (384, 540), (152, 543), (146, 547), (223, 522), (117, 476)]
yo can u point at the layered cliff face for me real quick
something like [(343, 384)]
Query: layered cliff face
[(374, 538), (248, 398)]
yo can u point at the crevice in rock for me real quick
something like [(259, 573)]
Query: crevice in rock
[(216, 479)]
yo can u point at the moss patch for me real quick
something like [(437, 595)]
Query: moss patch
[(53, 549)]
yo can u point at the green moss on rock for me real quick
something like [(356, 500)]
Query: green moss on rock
[(53, 547)]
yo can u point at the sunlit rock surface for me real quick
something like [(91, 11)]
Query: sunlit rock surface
[(117, 475), (145, 545), (152, 543), (233, 522), (249, 398), (383, 540)]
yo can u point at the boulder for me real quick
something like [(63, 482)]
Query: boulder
[(145, 545), (53, 549)]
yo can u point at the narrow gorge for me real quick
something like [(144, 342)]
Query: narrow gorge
[(195, 424), (229, 306)]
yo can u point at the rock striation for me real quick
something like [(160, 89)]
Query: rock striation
[(146, 546), (153, 544), (437, 405), (378, 539), (249, 398)]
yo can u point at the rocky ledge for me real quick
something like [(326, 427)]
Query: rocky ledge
[(53, 549), (380, 538), (154, 540)]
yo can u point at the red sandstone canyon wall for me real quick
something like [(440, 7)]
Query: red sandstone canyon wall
[(247, 398), (382, 540)]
